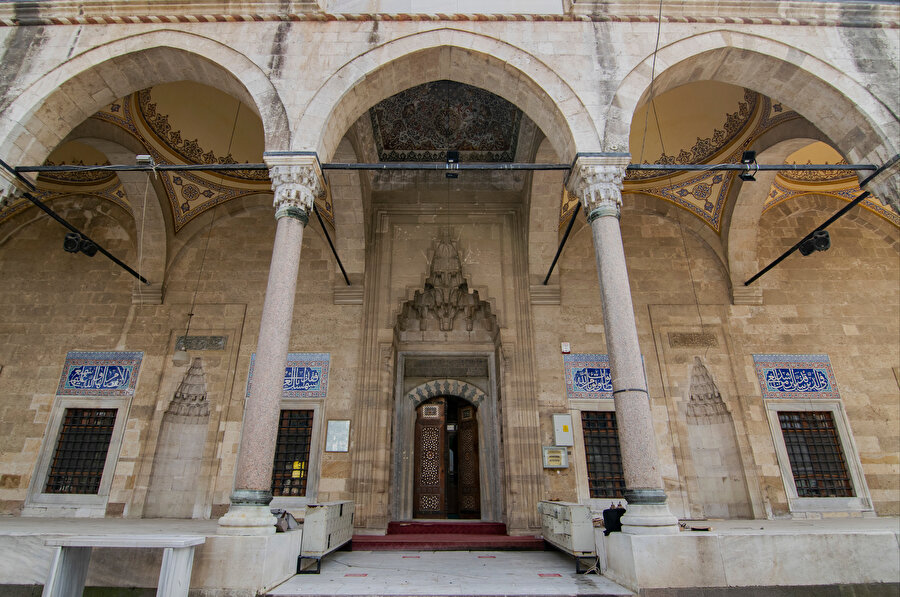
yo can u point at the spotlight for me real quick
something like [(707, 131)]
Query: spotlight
[(72, 242), (87, 247), (819, 241), (748, 159), (144, 160)]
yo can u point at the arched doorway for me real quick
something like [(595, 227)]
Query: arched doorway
[(446, 483)]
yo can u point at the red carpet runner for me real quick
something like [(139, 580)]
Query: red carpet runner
[(446, 536)]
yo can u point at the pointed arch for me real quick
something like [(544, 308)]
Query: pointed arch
[(446, 53), (50, 107)]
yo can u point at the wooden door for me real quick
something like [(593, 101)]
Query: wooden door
[(469, 493), (429, 485)]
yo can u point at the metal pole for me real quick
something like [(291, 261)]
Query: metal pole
[(562, 243), (331, 244)]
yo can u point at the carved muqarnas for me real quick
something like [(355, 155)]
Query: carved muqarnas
[(446, 298), (706, 401)]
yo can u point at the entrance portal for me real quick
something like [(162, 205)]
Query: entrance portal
[(446, 460)]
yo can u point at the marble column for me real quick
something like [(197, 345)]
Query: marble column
[(597, 181), (297, 181)]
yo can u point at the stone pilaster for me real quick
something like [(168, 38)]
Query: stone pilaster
[(297, 180), (886, 186), (597, 182)]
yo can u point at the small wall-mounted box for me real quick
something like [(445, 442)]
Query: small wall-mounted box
[(556, 457), (562, 430)]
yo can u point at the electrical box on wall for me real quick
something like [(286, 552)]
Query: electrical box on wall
[(562, 430), (555, 457)]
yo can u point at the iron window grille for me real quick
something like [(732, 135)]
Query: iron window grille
[(601, 450), (814, 450), (81, 450), (291, 468)]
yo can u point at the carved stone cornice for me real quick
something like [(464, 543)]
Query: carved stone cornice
[(297, 181), (597, 182)]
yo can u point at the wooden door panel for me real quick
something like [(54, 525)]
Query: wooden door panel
[(469, 485), (429, 485)]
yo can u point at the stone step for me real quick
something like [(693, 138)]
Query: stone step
[(446, 542), (441, 527)]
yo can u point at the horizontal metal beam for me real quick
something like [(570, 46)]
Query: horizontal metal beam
[(442, 166)]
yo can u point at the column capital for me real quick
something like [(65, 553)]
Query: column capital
[(596, 180), (297, 180), (9, 188)]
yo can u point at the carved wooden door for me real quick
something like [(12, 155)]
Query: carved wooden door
[(429, 485), (469, 494)]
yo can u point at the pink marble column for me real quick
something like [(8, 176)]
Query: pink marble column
[(597, 182), (296, 180)]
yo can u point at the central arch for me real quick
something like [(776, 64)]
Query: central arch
[(461, 56)]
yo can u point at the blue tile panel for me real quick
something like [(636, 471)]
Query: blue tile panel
[(588, 376), (305, 376), (793, 376), (99, 373)]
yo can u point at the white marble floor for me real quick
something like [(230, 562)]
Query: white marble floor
[(433, 573)]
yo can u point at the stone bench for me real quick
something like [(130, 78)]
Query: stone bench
[(70, 564)]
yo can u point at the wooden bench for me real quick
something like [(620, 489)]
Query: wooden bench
[(70, 564)]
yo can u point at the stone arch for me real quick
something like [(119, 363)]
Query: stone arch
[(49, 108), (825, 205), (691, 228), (446, 53), (444, 387), (865, 131), (747, 205)]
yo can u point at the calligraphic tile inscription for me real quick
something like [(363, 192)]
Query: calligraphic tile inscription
[(99, 373), (793, 376), (588, 376), (305, 376)]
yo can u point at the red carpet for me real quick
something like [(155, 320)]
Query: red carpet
[(446, 536)]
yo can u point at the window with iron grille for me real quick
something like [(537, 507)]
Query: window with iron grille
[(81, 449), (292, 453), (814, 450), (601, 450)]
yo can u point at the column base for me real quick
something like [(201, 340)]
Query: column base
[(649, 519), (248, 515)]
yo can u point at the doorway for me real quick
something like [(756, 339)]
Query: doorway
[(446, 482)]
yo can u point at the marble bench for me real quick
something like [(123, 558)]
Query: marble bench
[(70, 564)]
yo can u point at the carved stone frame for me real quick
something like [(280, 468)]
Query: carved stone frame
[(487, 402)]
